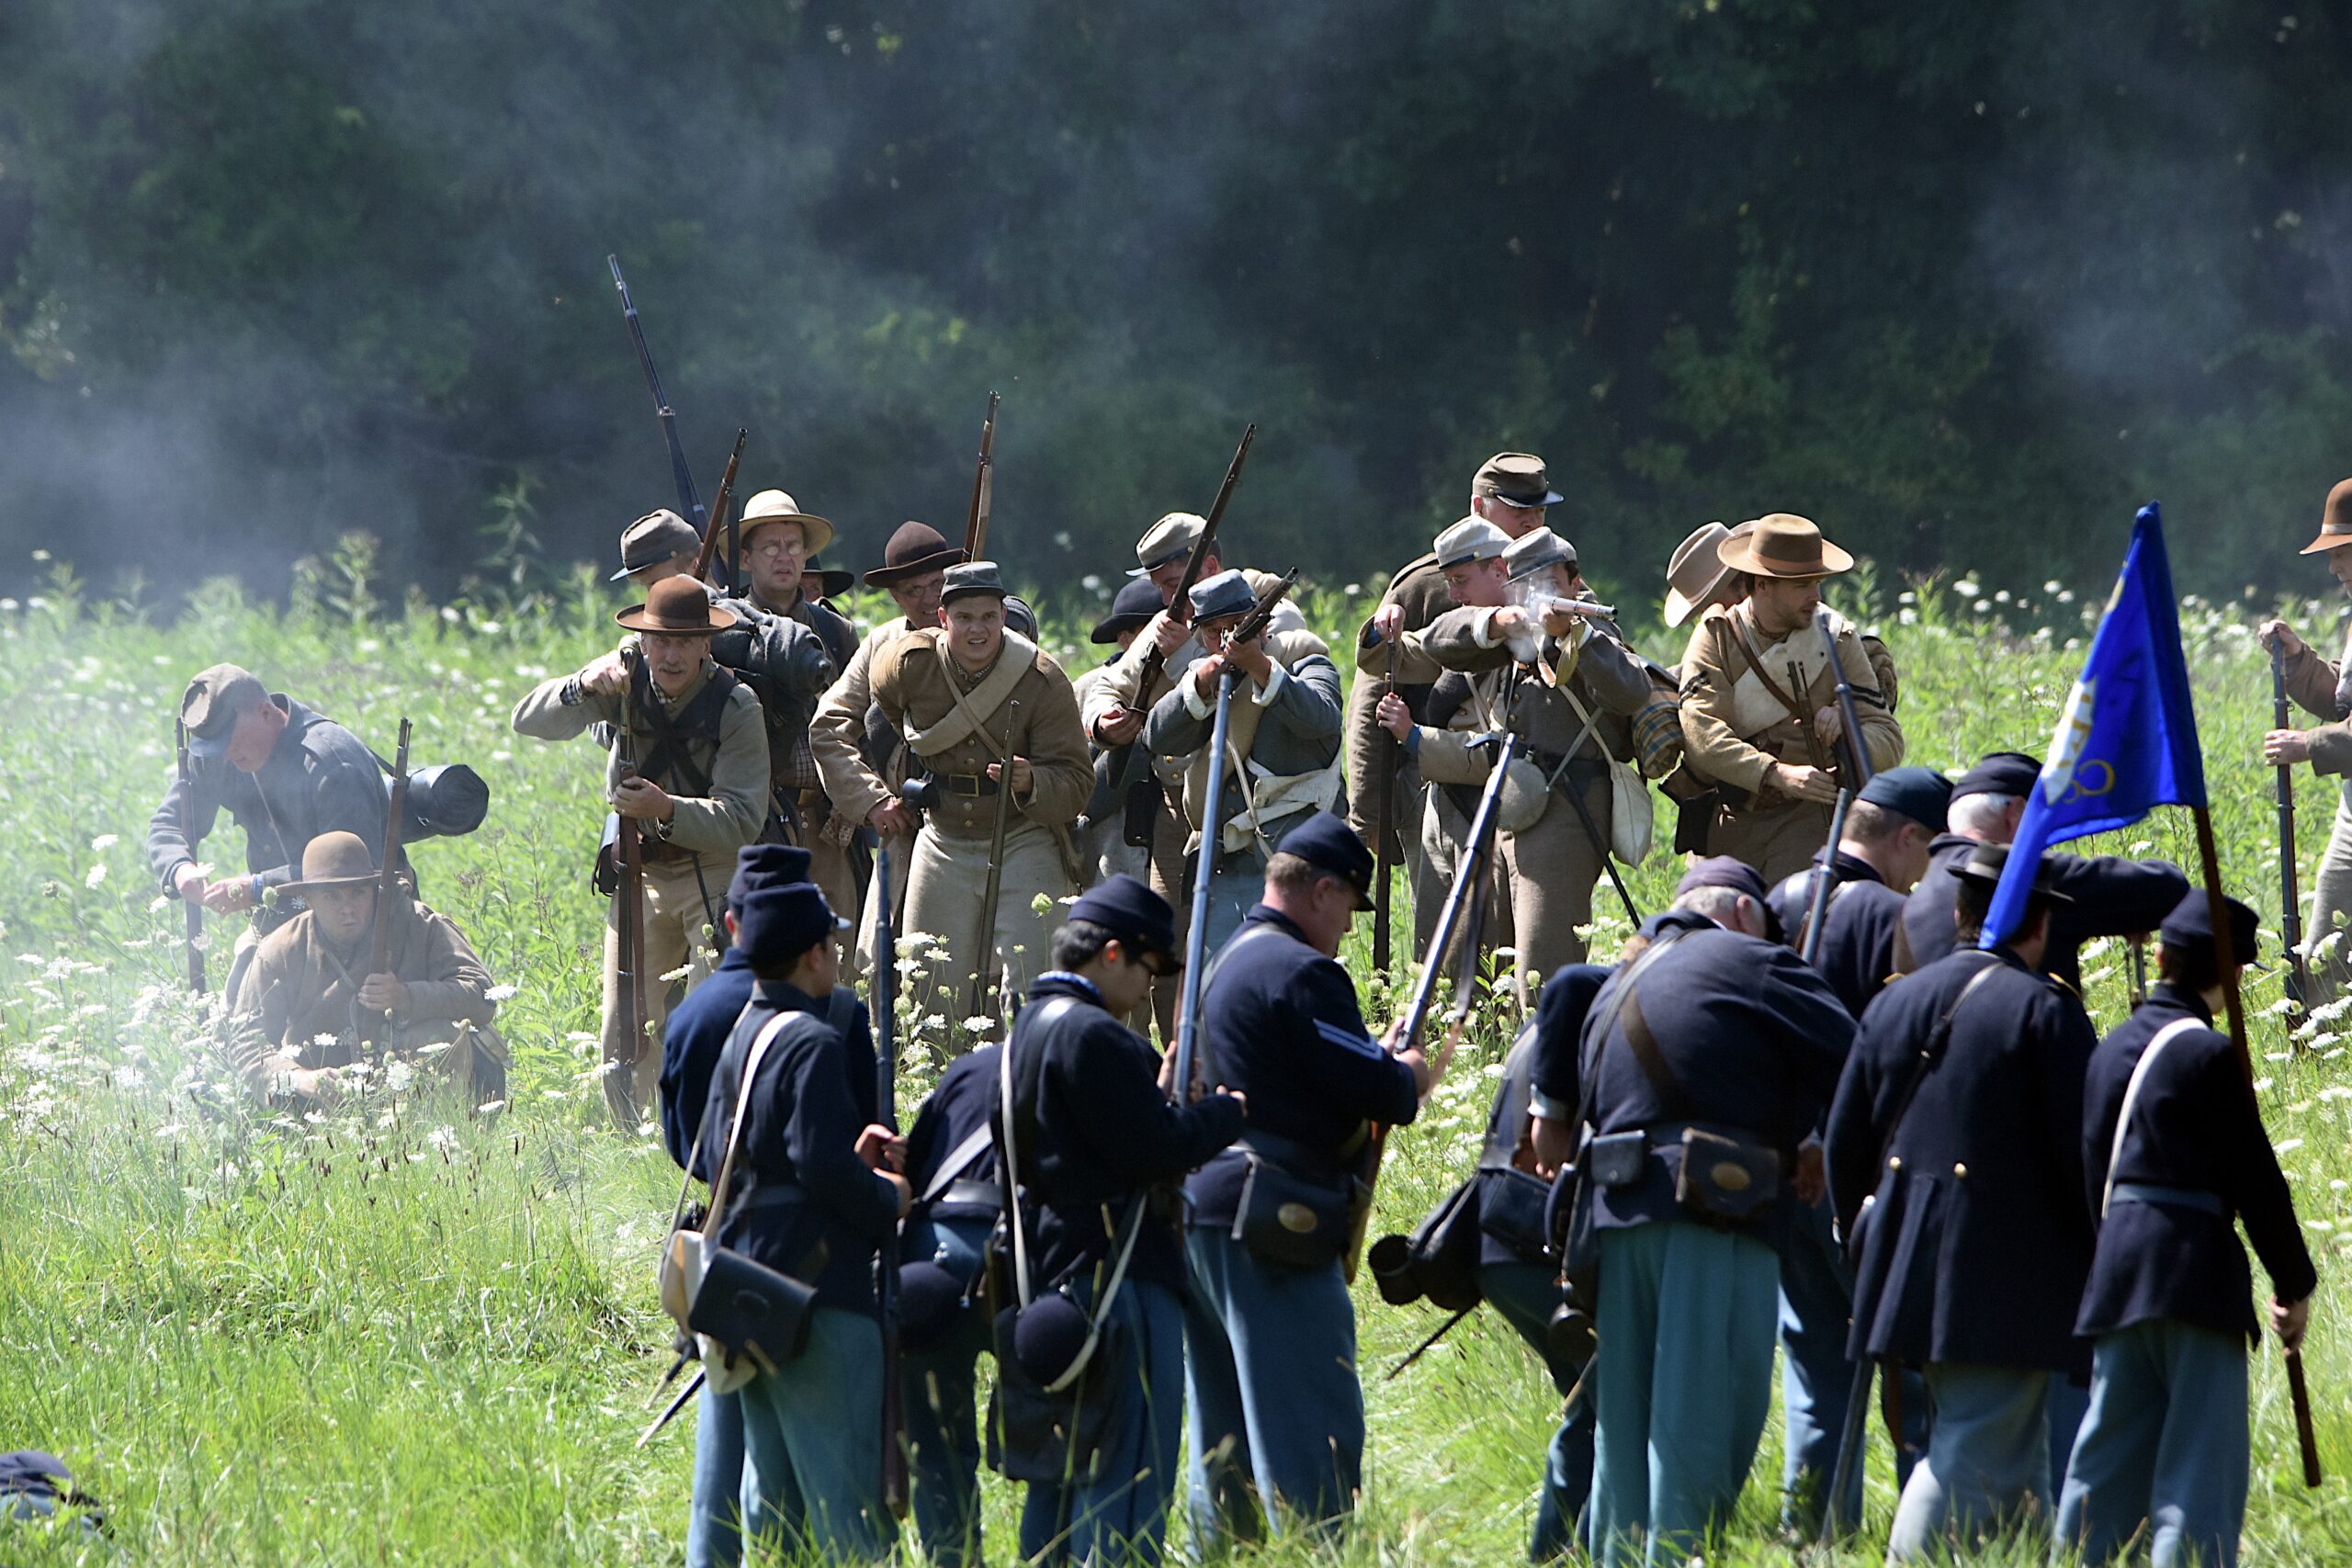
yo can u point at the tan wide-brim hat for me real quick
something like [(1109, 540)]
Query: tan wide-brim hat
[(1784, 545), (676, 606), (1694, 572), (333, 859), (775, 506), (2335, 524)]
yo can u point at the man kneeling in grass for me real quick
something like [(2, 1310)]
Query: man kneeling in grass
[(317, 1006)]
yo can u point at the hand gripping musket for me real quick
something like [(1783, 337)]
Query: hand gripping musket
[(2290, 903), (1469, 883), (976, 523), (983, 977), (1196, 929), (1129, 762), (1859, 753), (1392, 753), (883, 995), (192, 914), (376, 1028), (689, 506), (717, 517)]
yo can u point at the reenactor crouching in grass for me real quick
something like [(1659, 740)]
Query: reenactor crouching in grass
[(312, 1010), (689, 764), (2174, 1150), (285, 773)]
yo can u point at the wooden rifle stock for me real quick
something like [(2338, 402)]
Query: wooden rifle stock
[(1128, 765), (192, 915), (2290, 903), (719, 517), (376, 1027), (689, 506), (984, 975), (1384, 830), (886, 1101), (975, 523)]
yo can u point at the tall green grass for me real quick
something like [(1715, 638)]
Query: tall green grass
[(401, 1331)]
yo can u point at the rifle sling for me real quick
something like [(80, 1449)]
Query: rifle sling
[(673, 755), (1929, 1055)]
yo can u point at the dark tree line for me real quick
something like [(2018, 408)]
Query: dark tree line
[(1963, 279)]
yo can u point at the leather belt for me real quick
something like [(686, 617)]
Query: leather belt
[(966, 1194), (2170, 1197), (968, 784), (661, 852)]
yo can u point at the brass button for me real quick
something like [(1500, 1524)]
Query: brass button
[(1894, 1162), (1959, 1170)]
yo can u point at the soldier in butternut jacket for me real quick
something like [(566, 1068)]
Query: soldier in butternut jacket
[(1760, 700), (963, 696)]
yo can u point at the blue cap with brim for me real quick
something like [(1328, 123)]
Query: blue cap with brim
[(2189, 927), (1921, 793), (764, 865), (777, 924), (1329, 844), (1140, 919)]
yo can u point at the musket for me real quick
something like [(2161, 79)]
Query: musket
[(1129, 762), (1825, 881), (193, 913), (689, 507), (1469, 881), (1253, 620), (628, 867), (1383, 829), (1426, 1345), (1859, 753), (376, 1028), (1197, 932), (886, 1100), (694, 1386), (984, 962), (719, 516), (975, 523), (2290, 903)]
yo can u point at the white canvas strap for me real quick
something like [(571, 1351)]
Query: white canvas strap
[(2164, 1036)]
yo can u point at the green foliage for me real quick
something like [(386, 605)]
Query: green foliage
[(1951, 280)]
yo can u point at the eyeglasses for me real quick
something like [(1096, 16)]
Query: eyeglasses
[(769, 549)]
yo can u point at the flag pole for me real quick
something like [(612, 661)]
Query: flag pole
[(2224, 952)]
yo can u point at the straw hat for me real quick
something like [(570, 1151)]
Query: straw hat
[(775, 506), (1784, 545)]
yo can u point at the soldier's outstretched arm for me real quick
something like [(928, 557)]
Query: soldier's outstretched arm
[(836, 736), (180, 822), (559, 707), (1174, 729), (1306, 703)]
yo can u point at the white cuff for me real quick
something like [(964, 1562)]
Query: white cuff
[(1544, 1108), (1274, 687), (1194, 702), (1482, 627)]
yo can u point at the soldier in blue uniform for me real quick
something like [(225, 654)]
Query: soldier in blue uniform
[(942, 1326), (2172, 1151), (1529, 1135), (2108, 896), (1706, 1060), (1882, 852), (697, 1032), (1270, 1332), (814, 1197), (1956, 1167), (1098, 1144)]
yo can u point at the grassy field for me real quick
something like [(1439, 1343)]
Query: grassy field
[(401, 1332)]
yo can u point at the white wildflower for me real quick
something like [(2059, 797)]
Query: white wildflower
[(1966, 588), (97, 876), (501, 993), (104, 843), (442, 1138)]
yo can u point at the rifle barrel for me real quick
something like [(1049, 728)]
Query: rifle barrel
[(1824, 880), (378, 1027), (718, 523), (976, 523), (1855, 750), (984, 962), (1477, 848), (2290, 903), (1196, 935), (681, 476)]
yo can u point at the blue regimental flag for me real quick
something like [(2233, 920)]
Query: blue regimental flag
[(2127, 741)]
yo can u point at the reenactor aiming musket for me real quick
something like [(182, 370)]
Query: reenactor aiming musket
[(1279, 760)]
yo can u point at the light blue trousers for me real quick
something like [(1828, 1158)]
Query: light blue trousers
[(713, 1519), (1987, 1463), (1526, 1294), (1270, 1361), (1121, 1515), (1683, 1385), (2163, 1453), (812, 1445), (1816, 1378), (937, 1392)]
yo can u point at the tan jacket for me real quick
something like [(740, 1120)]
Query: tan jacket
[(1734, 730), (916, 684), (715, 825), (300, 1006), (837, 734), (2312, 681)]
